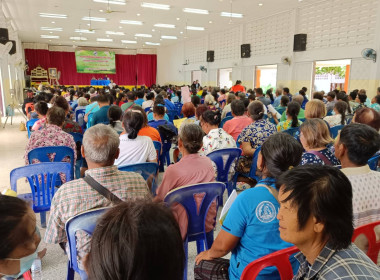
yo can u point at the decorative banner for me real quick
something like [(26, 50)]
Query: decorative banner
[(97, 62)]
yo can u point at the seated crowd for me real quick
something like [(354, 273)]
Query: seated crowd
[(311, 189)]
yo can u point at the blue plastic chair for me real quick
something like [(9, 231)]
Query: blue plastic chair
[(221, 103), (81, 112), (172, 114), (165, 155), (237, 142), (329, 113), (373, 162), (252, 171), (229, 114), (147, 109), (158, 147), (146, 170), (41, 154), (179, 105), (42, 178), (83, 222), (29, 125), (225, 120), (223, 160), (89, 117), (196, 216), (78, 138), (293, 131), (334, 131)]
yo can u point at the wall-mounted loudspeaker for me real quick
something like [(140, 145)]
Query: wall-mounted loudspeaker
[(299, 42), (4, 35), (13, 50), (245, 50), (210, 56)]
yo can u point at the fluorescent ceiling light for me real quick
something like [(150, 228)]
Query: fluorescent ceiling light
[(78, 38), (116, 2), (128, 42), (104, 40), (143, 35), (134, 22), (234, 15), (119, 33), (195, 28), (84, 31), (152, 44), (53, 15), (195, 11), (164, 25), (51, 28), (94, 19), (49, 37), (169, 37), (155, 6)]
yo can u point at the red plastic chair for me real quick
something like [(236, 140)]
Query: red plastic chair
[(373, 245), (279, 259)]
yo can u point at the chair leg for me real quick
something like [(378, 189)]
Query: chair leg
[(43, 219), (185, 245), (209, 239), (200, 245), (70, 272)]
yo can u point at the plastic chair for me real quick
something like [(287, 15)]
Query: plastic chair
[(165, 155), (41, 154), (237, 142), (89, 117), (29, 107), (329, 113), (179, 105), (42, 178), (78, 138), (279, 259), (229, 114), (172, 114), (373, 245), (223, 160), (197, 215), (334, 131), (147, 109), (280, 110), (146, 170), (29, 125), (221, 103), (252, 171), (293, 131), (225, 120), (81, 112), (373, 162), (84, 222)]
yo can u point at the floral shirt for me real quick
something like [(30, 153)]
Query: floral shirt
[(39, 124), (334, 120), (309, 158), (376, 107), (257, 132), (284, 125), (70, 126)]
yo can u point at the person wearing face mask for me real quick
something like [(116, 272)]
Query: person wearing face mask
[(19, 237)]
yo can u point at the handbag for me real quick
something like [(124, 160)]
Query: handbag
[(22, 126), (102, 190), (216, 269), (321, 157)]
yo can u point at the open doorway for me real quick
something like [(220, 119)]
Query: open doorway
[(266, 77), (331, 74), (224, 78), (196, 75)]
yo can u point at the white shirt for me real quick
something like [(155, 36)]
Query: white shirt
[(136, 150), (147, 104), (333, 120)]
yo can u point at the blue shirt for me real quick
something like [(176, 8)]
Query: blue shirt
[(253, 218), (156, 124), (100, 116), (93, 107), (277, 101), (169, 105), (150, 117), (309, 158), (139, 101), (175, 99)]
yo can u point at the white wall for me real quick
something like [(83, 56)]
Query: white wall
[(336, 29)]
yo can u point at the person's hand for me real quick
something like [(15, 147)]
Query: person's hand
[(42, 253), (205, 255)]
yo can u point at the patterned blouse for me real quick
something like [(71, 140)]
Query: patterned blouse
[(257, 132), (70, 126), (308, 158), (284, 125), (334, 120)]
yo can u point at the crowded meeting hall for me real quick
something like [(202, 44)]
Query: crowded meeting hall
[(175, 140)]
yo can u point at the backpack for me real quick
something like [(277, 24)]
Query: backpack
[(166, 133)]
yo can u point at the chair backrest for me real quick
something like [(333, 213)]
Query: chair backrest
[(77, 114), (29, 125), (172, 114), (41, 154), (147, 109), (223, 159), (82, 222), (146, 170), (89, 117), (158, 147), (293, 131), (373, 162), (281, 110), (225, 120), (252, 171), (78, 139), (42, 178), (178, 105), (196, 214), (334, 131), (229, 114), (373, 244), (279, 259), (237, 142), (29, 107)]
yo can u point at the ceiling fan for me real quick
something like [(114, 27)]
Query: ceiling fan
[(109, 10), (90, 24)]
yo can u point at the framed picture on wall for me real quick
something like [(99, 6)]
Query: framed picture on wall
[(52, 73)]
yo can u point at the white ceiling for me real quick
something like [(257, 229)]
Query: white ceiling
[(25, 16)]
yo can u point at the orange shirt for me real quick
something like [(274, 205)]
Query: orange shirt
[(150, 132), (237, 88)]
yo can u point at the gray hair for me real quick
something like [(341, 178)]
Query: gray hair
[(82, 101), (100, 144), (298, 98)]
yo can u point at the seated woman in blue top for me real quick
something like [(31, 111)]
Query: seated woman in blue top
[(159, 117), (250, 230), (158, 100)]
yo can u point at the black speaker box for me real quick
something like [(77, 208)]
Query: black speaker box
[(210, 56), (13, 49), (299, 42), (245, 50), (4, 35)]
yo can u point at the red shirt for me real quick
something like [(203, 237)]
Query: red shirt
[(236, 125), (237, 88)]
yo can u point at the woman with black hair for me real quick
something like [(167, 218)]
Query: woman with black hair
[(121, 99), (292, 112), (160, 112), (339, 117), (269, 95), (134, 148), (250, 229), (114, 115)]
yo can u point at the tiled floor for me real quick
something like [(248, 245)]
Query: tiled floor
[(12, 147)]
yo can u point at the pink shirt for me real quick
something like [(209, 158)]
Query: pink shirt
[(191, 169), (39, 124), (236, 125)]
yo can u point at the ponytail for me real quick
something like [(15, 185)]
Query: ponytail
[(293, 110), (341, 107)]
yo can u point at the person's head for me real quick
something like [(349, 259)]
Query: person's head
[(315, 207), (352, 95), (140, 94), (240, 95), (131, 96), (367, 116), (256, 110), (159, 109), (196, 100), (298, 98), (222, 91), (285, 91), (82, 101), (92, 90), (209, 99), (61, 102), (188, 110), (259, 92), (136, 240), (238, 82), (251, 98), (304, 89), (230, 98), (237, 108), (278, 92), (376, 99), (292, 111), (361, 98), (378, 91), (330, 96), (284, 100), (210, 120), (356, 144), (362, 91), (150, 95), (133, 121), (56, 115), (279, 152), (341, 107), (190, 138), (103, 100), (318, 95), (200, 110), (114, 114), (19, 236), (269, 94), (315, 109), (41, 108), (302, 92), (164, 94), (314, 133)]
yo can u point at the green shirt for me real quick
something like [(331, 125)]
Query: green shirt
[(301, 115), (126, 106)]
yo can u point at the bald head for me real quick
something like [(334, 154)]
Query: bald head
[(367, 116)]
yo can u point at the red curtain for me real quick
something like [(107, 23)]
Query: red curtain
[(128, 68)]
